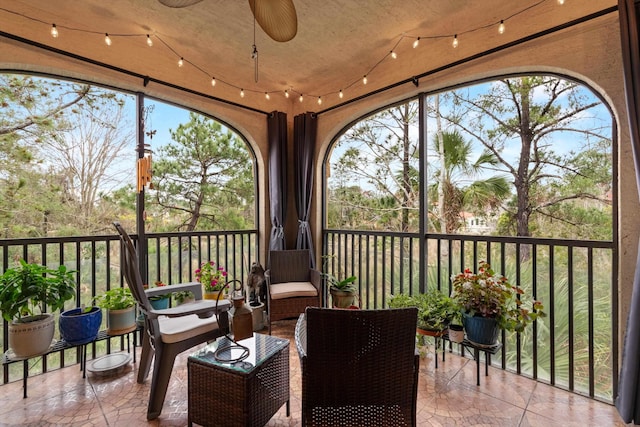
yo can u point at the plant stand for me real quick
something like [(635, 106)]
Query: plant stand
[(439, 337), (475, 350), (8, 357)]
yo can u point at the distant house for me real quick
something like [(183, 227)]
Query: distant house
[(474, 224)]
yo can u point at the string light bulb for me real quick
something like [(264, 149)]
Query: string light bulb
[(241, 93), (560, 2), (319, 100), (301, 98), (107, 39), (267, 96)]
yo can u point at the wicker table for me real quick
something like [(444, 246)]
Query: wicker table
[(246, 393)]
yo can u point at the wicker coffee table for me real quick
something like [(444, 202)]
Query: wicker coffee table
[(246, 393)]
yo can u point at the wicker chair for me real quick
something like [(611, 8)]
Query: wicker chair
[(292, 285), (359, 367), (171, 331)]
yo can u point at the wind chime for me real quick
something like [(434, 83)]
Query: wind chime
[(145, 173)]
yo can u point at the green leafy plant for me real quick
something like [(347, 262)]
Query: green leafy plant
[(115, 299), (159, 284), (182, 296), (488, 294), (435, 309), (345, 285), (212, 278), (30, 289)]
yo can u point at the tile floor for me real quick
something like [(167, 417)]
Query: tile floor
[(447, 396)]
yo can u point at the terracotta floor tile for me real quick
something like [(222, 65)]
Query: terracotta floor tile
[(447, 396)]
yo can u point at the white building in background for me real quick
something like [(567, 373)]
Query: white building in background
[(474, 224)]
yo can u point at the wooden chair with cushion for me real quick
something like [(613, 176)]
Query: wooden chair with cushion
[(292, 285), (171, 331), (359, 367)]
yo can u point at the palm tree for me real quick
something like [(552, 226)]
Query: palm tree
[(462, 181)]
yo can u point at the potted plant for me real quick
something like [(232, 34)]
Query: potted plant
[(160, 302), (26, 292), (80, 325), (120, 306), (213, 280), (435, 310), (343, 292), (489, 303), (183, 297)]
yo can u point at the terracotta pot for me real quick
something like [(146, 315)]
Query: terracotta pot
[(342, 299), (431, 332)]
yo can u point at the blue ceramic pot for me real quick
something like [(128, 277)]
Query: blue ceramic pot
[(160, 304), (482, 331), (78, 328)]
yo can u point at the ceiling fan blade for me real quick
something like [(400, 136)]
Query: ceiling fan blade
[(276, 17), (179, 3)]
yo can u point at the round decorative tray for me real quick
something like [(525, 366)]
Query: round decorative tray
[(109, 364)]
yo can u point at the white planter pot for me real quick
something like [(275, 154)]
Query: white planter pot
[(456, 333), (31, 338), (257, 314)]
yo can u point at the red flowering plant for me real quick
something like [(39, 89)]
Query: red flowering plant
[(212, 278), (488, 294), (157, 284)]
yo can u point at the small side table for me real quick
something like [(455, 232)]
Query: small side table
[(246, 393)]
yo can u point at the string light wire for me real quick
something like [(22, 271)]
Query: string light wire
[(54, 29)]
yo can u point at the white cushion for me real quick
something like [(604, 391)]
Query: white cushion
[(175, 329), (292, 289)]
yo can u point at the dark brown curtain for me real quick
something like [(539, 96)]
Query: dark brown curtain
[(277, 134), (628, 393), (305, 127)]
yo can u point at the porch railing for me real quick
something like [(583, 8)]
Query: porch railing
[(172, 258), (575, 347)]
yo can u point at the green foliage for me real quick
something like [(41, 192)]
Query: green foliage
[(435, 309), (488, 294), (346, 285), (115, 299), (32, 288), (530, 116), (204, 178), (460, 181), (379, 155), (44, 125)]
